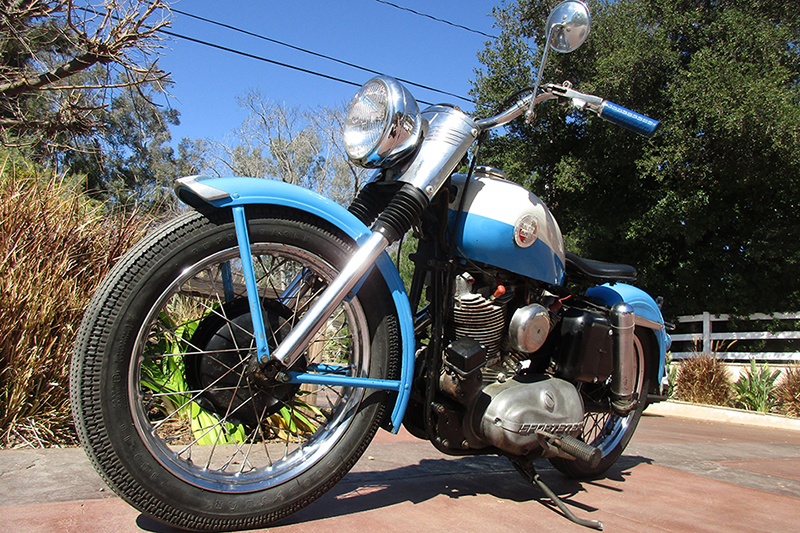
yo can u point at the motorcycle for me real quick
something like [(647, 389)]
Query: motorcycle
[(237, 362)]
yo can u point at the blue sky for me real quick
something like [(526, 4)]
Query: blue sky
[(364, 32)]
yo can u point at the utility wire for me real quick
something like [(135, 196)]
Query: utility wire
[(435, 18), (271, 61), (281, 43), (279, 63)]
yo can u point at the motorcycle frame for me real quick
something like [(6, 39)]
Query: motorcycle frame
[(238, 192)]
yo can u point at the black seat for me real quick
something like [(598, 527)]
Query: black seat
[(580, 269)]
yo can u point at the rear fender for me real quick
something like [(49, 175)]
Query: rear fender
[(645, 308), (236, 191)]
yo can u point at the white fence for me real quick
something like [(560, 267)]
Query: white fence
[(711, 342)]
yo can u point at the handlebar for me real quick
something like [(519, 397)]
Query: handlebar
[(616, 114), (606, 110)]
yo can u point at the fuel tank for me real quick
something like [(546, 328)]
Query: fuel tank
[(506, 226)]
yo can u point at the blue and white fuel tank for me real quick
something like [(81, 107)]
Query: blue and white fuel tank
[(506, 226)]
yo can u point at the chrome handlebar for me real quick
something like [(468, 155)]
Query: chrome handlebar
[(604, 109)]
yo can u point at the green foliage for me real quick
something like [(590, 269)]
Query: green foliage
[(703, 379), (130, 163), (55, 247), (164, 373), (672, 377), (706, 210), (754, 388), (165, 376)]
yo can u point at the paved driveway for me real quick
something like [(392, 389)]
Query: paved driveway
[(678, 475)]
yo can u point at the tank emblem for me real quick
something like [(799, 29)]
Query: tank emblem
[(526, 230)]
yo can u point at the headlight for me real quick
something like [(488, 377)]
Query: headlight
[(383, 123)]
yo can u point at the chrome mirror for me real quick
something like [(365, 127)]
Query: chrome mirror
[(567, 27)]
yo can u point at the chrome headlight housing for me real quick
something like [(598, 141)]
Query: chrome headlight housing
[(383, 123)]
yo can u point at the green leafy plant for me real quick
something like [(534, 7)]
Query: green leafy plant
[(165, 375), (672, 375), (754, 388)]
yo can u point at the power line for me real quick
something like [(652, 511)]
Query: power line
[(271, 61), (304, 50), (259, 58), (435, 18)]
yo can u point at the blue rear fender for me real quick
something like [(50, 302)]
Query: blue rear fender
[(238, 191), (644, 306)]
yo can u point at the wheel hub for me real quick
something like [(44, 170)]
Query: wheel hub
[(221, 369)]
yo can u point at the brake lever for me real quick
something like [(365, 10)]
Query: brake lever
[(606, 110), (579, 100)]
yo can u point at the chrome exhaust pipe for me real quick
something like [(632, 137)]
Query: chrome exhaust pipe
[(623, 376)]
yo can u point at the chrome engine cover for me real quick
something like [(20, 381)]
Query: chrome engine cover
[(519, 407)]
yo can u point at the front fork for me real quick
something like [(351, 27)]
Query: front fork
[(274, 367)]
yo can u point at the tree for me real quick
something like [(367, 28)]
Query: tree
[(130, 163), (56, 60), (707, 210), (285, 143)]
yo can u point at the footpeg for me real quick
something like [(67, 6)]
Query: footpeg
[(573, 447)]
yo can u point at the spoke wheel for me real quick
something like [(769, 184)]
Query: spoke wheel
[(166, 403), (606, 430)]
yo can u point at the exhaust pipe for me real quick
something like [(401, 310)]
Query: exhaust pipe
[(623, 376)]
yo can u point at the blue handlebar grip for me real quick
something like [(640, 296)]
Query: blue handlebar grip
[(616, 114)]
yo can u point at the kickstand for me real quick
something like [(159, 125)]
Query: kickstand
[(530, 474)]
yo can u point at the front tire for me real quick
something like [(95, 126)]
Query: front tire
[(606, 430), (162, 399)]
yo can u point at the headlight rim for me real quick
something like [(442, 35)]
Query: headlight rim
[(401, 131)]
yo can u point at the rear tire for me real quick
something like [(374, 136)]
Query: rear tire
[(162, 401), (605, 430)]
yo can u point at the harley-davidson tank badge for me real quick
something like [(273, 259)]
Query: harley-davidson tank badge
[(526, 230)]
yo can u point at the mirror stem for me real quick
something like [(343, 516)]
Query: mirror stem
[(530, 114)]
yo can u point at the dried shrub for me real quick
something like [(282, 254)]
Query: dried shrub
[(703, 379), (787, 393), (55, 247)]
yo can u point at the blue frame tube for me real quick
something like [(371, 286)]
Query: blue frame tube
[(344, 381), (242, 235)]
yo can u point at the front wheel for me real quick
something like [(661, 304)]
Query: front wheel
[(164, 402), (606, 430)]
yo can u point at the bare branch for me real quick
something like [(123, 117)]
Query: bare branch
[(60, 41)]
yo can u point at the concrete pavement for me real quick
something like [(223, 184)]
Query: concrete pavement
[(678, 474)]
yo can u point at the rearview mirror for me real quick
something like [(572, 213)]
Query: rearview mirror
[(568, 25)]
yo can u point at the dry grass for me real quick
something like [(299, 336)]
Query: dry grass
[(787, 393), (55, 247), (703, 379)]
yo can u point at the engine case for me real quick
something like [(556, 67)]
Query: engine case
[(507, 415)]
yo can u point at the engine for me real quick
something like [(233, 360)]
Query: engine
[(497, 366)]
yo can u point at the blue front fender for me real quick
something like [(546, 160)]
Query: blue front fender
[(643, 305), (233, 192)]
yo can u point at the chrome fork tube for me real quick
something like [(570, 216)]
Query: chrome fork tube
[(623, 376), (299, 337)]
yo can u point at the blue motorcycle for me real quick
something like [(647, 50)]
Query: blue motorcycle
[(237, 362)]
